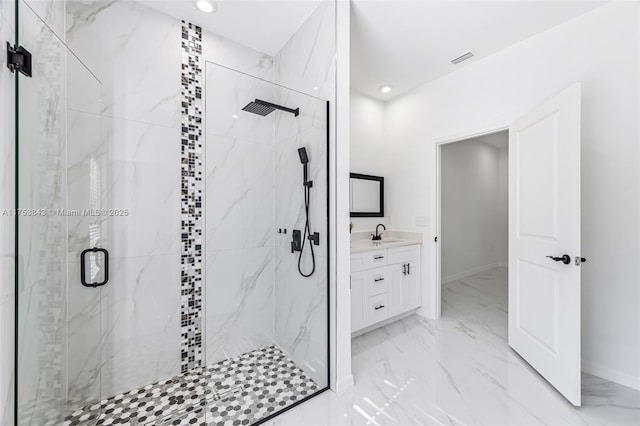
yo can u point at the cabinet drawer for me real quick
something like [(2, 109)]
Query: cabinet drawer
[(404, 254), (375, 259), (376, 309), (377, 281)]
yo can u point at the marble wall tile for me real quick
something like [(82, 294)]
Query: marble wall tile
[(226, 93), (85, 92), (84, 341), (135, 52), (87, 161), (223, 51), (7, 194), (307, 64), (141, 314), (239, 301), (301, 314), (239, 215), (143, 177), (51, 12), (224, 192)]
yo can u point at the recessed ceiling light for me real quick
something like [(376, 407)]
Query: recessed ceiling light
[(234, 116), (316, 88), (206, 6), (385, 89)]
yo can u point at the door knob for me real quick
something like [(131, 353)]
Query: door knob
[(565, 258)]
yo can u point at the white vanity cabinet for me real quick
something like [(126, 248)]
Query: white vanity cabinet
[(384, 283)]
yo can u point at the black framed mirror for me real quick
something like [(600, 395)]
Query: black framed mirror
[(366, 195)]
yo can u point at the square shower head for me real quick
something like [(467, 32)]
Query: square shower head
[(259, 107)]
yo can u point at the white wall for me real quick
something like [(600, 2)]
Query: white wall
[(368, 145), (472, 223), (502, 233), (599, 49)]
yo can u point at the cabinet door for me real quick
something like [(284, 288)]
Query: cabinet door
[(411, 289), (396, 289), (404, 287), (357, 300)]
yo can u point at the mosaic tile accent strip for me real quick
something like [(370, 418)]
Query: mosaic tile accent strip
[(237, 391), (191, 198)]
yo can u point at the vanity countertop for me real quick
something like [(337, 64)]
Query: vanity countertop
[(359, 246), (361, 241)]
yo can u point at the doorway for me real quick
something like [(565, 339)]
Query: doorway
[(473, 213)]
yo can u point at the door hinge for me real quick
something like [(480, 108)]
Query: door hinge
[(435, 239), (18, 59)]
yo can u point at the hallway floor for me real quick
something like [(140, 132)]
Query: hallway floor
[(458, 370)]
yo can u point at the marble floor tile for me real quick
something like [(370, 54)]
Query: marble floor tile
[(458, 370)]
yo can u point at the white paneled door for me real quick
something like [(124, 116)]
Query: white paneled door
[(544, 240)]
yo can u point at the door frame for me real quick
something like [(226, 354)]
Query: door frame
[(436, 207)]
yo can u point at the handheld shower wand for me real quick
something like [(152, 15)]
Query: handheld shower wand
[(300, 239)]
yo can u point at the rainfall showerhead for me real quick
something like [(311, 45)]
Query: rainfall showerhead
[(258, 107), (265, 108)]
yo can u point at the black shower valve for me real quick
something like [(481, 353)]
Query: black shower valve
[(296, 241), (315, 238)]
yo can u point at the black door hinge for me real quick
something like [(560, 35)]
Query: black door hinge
[(18, 59), (435, 239)]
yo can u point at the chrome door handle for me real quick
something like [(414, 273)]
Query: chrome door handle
[(565, 258)]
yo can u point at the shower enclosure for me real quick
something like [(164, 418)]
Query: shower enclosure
[(172, 241)]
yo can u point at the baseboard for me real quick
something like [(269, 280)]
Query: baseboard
[(382, 323), (464, 274), (344, 384), (611, 375)]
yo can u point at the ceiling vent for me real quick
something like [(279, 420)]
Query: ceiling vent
[(462, 58)]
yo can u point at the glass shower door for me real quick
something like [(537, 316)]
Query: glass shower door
[(266, 246), (60, 173)]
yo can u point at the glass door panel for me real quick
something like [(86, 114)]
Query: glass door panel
[(61, 172), (266, 295)]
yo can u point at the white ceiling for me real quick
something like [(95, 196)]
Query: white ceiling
[(264, 25), (407, 43)]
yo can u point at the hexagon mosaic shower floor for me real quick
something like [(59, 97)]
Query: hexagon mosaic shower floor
[(237, 391)]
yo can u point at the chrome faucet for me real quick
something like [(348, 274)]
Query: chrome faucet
[(378, 237)]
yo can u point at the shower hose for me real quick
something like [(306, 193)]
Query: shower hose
[(306, 235)]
